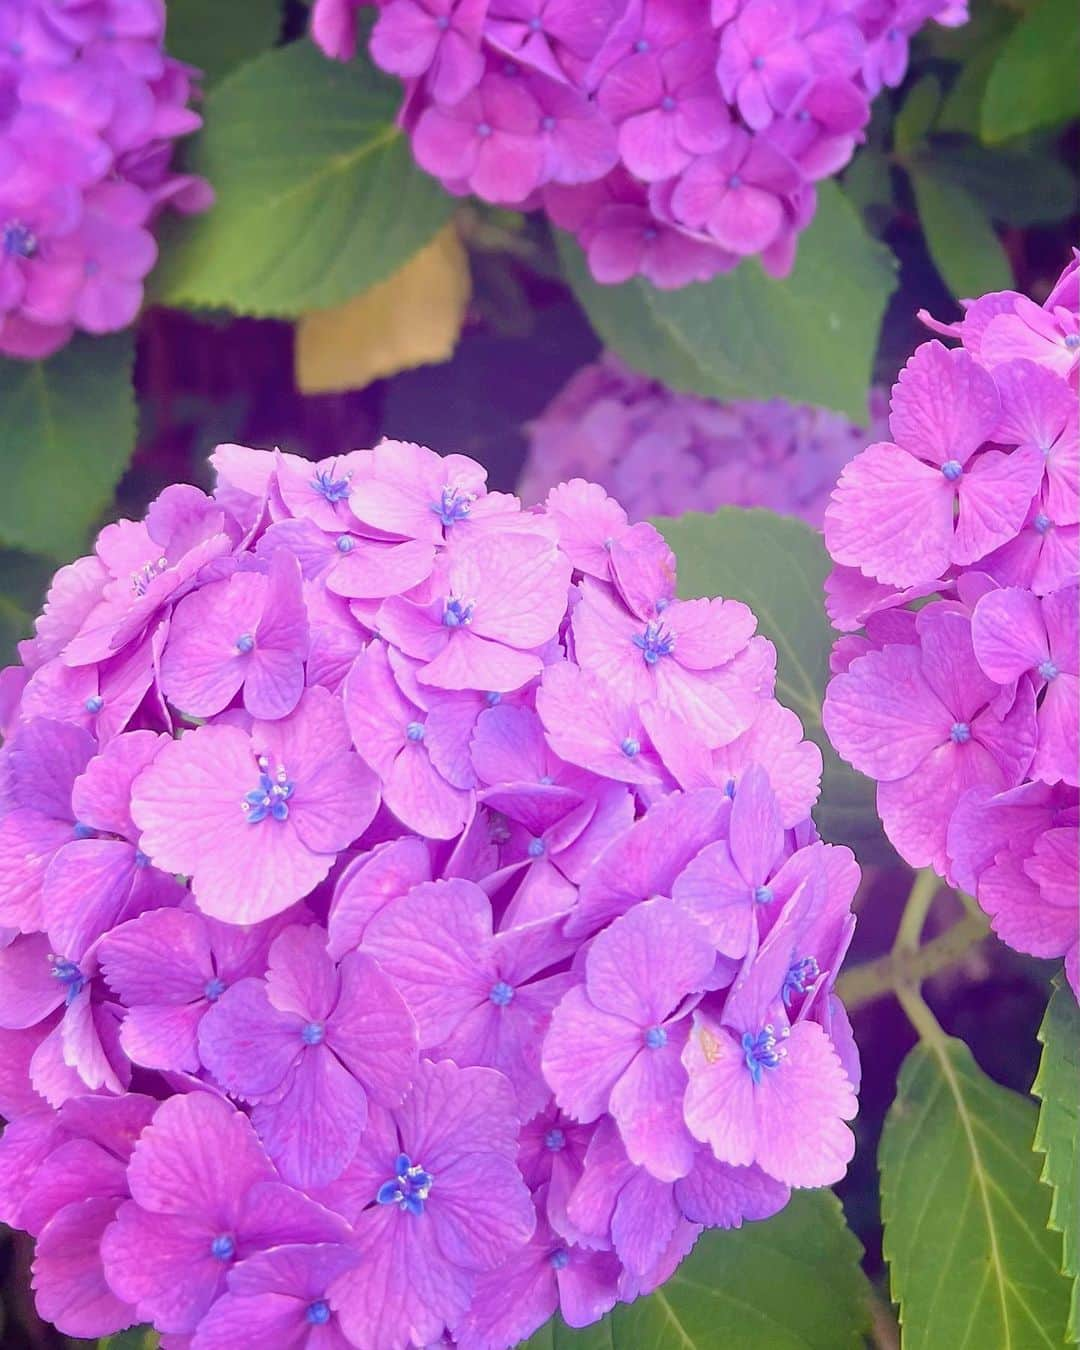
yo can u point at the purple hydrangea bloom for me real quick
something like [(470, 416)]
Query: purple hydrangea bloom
[(662, 452), (673, 138), (966, 711), (91, 109), (370, 848)]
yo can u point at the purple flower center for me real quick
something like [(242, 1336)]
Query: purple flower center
[(1048, 670), (415, 732), (763, 895), (501, 994), (214, 988), (1072, 342), (649, 233), (668, 104), (656, 1038), (483, 130), (630, 747), (223, 1247), (408, 1188), (555, 1140), (641, 45), (655, 642), (758, 63), (952, 469), (442, 23), (457, 613), (536, 848), (559, 1258), (313, 1033), (68, 974), (271, 797), (140, 580), (141, 859), (453, 505), (345, 543), (245, 643), (547, 123), (734, 182), (82, 831), (318, 1313), (326, 485), (94, 703), (762, 1051), (801, 975), (960, 732), (19, 241), (536, 23)]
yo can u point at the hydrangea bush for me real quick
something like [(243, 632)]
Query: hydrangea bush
[(957, 552), (413, 922), (657, 450), (90, 106), (673, 137)]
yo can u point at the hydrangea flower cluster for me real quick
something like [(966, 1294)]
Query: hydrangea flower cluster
[(90, 106), (661, 452), (956, 546), (673, 137), (413, 920)]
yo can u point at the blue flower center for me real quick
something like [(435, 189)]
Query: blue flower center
[(1048, 670), (668, 104), (547, 123), (83, 831), (414, 732), (271, 797), (952, 469), (763, 895), (313, 1033), (801, 975), (536, 848), (536, 23), (442, 23), (483, 130), (223, 1247), (1072, 342), (762, 1051), (501, 994), (559, 1258), (245, 643), (734, 182), (142, 579), (214, 988), (555, 1140), (19, 241), (656, 641), (408, 1188), (1041, 523), (457, 613), (68, 974), (641, 45), (630, 747), (758, 63), (656, 1038), (453, 505), (326, 485), (492, 697), (318, 1313), (345, 543), (141, 859), (960, 732)]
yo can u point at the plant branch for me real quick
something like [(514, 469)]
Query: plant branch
[(874, 979)]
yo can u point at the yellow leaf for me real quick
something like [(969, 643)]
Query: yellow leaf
[(413, 318)]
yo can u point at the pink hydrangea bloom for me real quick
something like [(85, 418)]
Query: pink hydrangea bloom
[(673, 137), (661, 452), (966, 712), (91, 109), (371, 848)]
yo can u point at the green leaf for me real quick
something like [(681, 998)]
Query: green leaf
[(777, 566), (66, 436), (1016, 187), (217, 38), (138, 1338), (1033, 82), (725, 1292), (971, 1260), (810, 338), (317, 194), (916, 117), (1059, 1128), (962, 242)]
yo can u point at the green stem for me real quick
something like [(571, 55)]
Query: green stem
[(920, 1016), (919, 900), (874, 979)]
